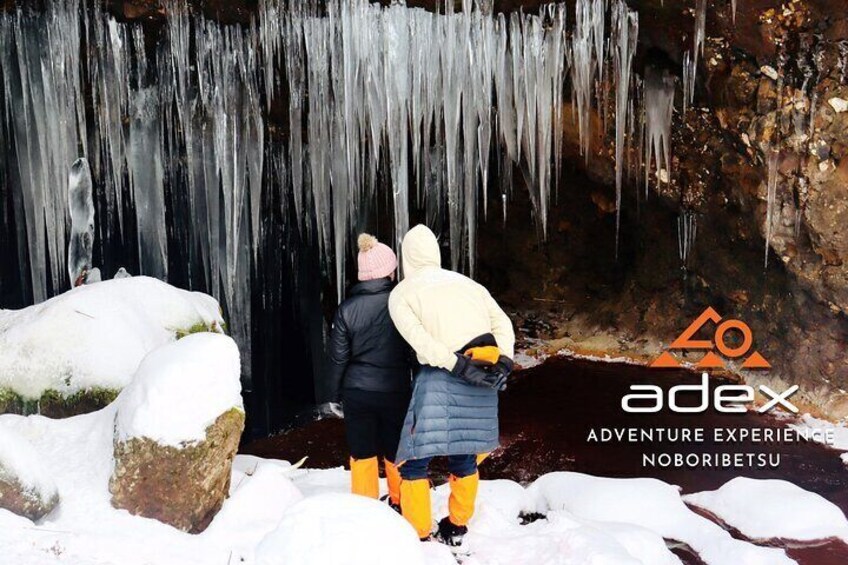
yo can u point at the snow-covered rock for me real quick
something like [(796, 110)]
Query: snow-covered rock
[(25, 487), (177, 429), (341, 528), (90, 340), (761, 510), (648, 503)]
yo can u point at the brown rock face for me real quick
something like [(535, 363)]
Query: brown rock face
[(184, 487), (26, 502)]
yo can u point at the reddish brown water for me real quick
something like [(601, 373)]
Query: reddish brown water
[(548, 411)]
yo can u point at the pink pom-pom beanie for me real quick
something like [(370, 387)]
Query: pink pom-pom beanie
[(376, 260)]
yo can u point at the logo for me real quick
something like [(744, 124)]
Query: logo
[(711, 360), (725, 398)]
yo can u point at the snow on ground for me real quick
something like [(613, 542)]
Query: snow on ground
[(757, 508), (839, 431), (95, 335), (280, 514), (203, 367), (330, 528), (649, 503)]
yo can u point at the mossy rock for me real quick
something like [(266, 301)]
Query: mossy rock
[(181, 486), (54, 404), (201, 327), (10, 402)]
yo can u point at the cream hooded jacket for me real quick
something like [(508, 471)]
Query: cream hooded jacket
[(439, 311)]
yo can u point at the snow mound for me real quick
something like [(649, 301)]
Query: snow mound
[(180, 390), (95, 336), (759, 509), (257, 504), (341, 528), (19, 463), (649, 503)]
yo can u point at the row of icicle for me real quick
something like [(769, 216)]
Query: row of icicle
[(428, 101)]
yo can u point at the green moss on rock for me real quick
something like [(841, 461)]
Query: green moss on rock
[(10, 402), (54, 404)]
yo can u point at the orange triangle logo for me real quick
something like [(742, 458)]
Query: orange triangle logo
[(756, 361), (710, 361), (665, 361)]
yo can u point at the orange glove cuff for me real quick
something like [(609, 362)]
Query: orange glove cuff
[(488, 354)]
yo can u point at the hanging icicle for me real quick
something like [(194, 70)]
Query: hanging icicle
[(625, 24), (773, 159), (687, 231), (659, 110)]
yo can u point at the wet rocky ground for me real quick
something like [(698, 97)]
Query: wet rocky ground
[(548, 412)]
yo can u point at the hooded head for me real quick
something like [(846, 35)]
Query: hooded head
[(420, 249)]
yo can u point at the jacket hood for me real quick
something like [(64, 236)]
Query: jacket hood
[(420, 249)]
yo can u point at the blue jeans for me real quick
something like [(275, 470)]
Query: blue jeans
[(458, 465)]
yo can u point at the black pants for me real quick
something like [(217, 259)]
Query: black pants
[(373, 422)]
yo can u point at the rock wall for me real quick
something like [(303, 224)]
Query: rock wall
[(773, 83)]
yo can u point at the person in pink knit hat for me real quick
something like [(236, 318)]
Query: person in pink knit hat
[(370, 371)]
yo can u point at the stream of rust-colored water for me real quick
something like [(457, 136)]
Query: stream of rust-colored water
[(548, 411)]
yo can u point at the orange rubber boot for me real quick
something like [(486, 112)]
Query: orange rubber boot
[(365, 477), (415, 505), (462, 498), (393, 480)]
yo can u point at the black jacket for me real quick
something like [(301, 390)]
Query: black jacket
[(366, 351)]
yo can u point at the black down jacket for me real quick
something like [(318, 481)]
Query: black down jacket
[(366, 351)]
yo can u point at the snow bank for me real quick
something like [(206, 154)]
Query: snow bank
[(759, 509), (839, 431), (649, 503), (341, 528), (180, 389), (19, 463), (95, 335), (256, 505), (497, 538)]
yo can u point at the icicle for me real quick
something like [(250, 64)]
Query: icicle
[(733, 5), (44, 106), (81, 208), (625, 25), (690, 58), (771, 197), (687, 231), (688, 80), (700, 30), (583, 71), (659, 109), (598, 17)]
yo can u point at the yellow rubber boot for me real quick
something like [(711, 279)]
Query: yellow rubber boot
[(365, 477), (393, 480), (462, 498), (415, 505)]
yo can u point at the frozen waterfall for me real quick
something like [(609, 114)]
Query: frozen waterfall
[(388, 111)]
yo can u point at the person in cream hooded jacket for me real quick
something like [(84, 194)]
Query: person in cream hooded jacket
[(448, 319)]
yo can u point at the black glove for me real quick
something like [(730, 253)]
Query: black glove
[(482, 375), (501, 371)]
